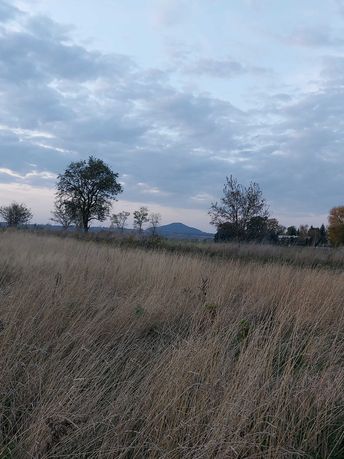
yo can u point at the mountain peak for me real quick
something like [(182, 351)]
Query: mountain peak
[(179, 230)]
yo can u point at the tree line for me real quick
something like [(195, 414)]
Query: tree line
[(243, 215), (86, 190), (140, 218)]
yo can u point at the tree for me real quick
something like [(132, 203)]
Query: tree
[(62, 214), (154, 220), (291, 231), (238, 206), (263, 229), (119, 220), (15, 214), (336, 225), (257, 228), (303, 231), (314, 236), (87, 188), (140, 218), (274, 229), (323, 235), (227, 232)]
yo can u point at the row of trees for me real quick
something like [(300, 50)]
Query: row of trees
[(243, 215), (140, 217), (86, 190), (308, 235), (17, 214)]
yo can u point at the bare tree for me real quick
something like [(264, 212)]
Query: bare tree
[(15, 214), (119, 220), (140, 218), (154, 220), (238, 206), (61, 214), (303, 231)]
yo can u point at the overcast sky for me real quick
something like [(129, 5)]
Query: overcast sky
[(174, 95)]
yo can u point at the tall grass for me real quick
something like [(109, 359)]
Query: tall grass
[(313, 257), (111, 352)]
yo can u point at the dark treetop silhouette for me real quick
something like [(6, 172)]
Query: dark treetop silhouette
[(87, 188)]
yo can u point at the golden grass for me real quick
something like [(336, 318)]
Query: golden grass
[(313, 257), (123, 353)]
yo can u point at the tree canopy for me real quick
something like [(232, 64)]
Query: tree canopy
[(86, 189), (140, 218), (336, 225), (15, 214), (241, 208)]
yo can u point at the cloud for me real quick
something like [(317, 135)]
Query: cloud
[(149, 189), (45, 175), (203, 198), (340, 6), (168, 13), (33, 54), (61, 102), (313, 37), (172, 146), (302, 152), (7, 11), (26, 133), (255, 4), (223, 68)]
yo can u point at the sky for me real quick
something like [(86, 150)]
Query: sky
[(175, 95)]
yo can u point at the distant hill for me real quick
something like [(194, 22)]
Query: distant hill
[(170, 231), (181, 231)]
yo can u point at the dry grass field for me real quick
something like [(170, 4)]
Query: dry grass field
[(110, 352), (311, 257)]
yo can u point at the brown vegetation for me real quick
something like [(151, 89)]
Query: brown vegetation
[(336, 226), (314, 257), (122, 353)]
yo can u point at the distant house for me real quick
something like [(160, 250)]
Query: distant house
[(285, 239)]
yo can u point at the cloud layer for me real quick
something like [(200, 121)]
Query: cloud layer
[(172, 142)]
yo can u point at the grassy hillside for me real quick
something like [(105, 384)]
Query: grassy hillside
[(122, 353)]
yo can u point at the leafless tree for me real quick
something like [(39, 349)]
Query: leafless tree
[(119, 220), (154, 220), (61, 214), (140, 218), (239, 205)]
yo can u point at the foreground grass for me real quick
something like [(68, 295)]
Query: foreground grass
[(121, 353)]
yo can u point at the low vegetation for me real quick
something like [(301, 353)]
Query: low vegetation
[(299, 256), (116, 352)]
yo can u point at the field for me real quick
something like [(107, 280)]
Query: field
[(118, 352)]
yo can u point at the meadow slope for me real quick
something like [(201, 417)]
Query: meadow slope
[(109, 352)]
